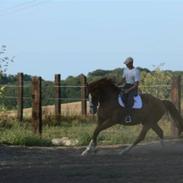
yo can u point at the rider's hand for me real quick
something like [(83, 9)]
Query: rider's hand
[(126, 91)]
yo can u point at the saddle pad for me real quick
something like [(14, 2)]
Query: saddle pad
[(137, 102)]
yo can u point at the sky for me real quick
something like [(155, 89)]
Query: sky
[(70, 37)]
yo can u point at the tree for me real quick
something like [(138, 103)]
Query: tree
[(156, 82), (4, 63), (4, 60)]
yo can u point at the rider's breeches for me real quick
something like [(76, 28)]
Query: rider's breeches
[(129, 97)]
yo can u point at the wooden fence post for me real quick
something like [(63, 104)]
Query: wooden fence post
[(36, 105), (57, 98), (83, 82), (20, 97), (176, 99)]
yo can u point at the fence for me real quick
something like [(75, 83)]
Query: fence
[(175, 96), (37, 102)]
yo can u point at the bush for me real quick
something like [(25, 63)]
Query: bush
[(156, 83)]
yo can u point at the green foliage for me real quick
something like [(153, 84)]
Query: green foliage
[(14, 134), (98, 74), (4, 60), (157, 83), (2, 91), (4, 63), (71, 93)]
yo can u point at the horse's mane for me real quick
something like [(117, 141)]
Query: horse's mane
[(103, 82)]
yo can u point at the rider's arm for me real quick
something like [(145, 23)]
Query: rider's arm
[(136, 84)]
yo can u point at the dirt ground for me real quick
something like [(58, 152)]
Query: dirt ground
[(147, 163)]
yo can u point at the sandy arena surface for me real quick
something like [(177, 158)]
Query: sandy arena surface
[(147, 163)]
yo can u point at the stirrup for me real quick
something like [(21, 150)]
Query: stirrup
[(128, 119)]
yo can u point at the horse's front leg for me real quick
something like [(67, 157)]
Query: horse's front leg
[(89, 148), (93, 143)]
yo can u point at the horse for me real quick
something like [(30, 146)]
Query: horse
[(105, 93)]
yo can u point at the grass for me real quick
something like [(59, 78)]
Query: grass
[(75, 127), (21, 135)]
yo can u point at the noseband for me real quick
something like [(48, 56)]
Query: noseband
[(93, 107)]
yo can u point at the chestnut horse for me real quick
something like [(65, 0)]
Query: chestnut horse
[(105, 93)]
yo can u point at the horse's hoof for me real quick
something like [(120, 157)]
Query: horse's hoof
[(162, 143), (123, 152), (94, 151), (84, 153), (179, 132)]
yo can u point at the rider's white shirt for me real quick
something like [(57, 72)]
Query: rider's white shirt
[(131, 75)]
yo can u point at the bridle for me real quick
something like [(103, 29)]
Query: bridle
[(92, 105)]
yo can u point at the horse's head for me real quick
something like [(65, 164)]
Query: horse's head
[(93, 103), (93, 96), (100, 91)]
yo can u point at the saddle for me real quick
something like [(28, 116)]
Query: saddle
[(137, 101)]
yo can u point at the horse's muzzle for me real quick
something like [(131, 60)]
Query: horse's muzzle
[(93, 108)]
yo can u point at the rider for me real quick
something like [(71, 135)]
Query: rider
[(131, 76)]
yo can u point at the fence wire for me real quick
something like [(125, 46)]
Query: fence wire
[(67, 92)]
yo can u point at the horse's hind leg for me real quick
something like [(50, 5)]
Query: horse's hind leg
[(141, 137), (92, 145), (159, 132)]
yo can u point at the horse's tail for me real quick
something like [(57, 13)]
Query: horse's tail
[(174, 114)]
